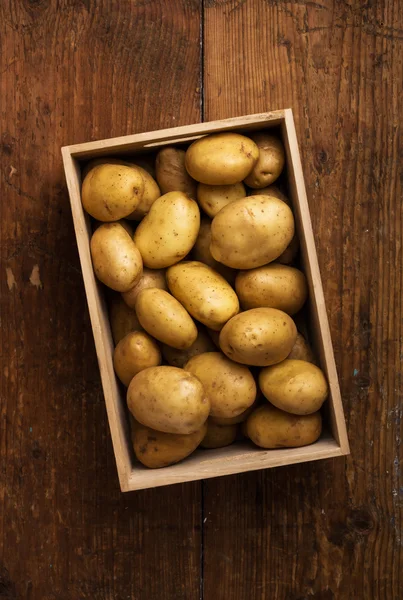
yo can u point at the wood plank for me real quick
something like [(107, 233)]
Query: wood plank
[(73, 72), (329, 530)]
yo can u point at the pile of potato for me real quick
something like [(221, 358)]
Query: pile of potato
[(199, 244)]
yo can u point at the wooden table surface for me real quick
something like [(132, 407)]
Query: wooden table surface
[(80, 70)]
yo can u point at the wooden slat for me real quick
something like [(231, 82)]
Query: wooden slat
[(73, 72), (328, 530)]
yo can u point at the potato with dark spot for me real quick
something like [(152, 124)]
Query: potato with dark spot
[(201, 252), (168, 399), (115, 258), (212, 198), (251, 232), (273, 286), (218, 436), (112, 191), (151, 278), (134, 353), (301, 350), (149, 196), (268, 427), (171, 172), (168, 232), (230, 387), (163, 317), (156, 449), (270, 162), (259, 337), (221, 158), (178, 358), (296, 386), (123, 319)]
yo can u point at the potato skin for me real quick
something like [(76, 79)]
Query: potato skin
[(296, 386), (218, 436), (251, 232), (274, 286), (123, 319), (150, 194), (112, 191), (135, 352), (201, 252), (151, 278), (270, 162), (168, 399), (268, 427), (301, 350), (115, 258), (163, 317), (212, 198), (259, 337), (230, 387), (178, 358), (171, 172), (168, 232), (156, 449), (206, 295), (221, 158)]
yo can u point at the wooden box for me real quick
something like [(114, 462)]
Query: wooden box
[(243, 456)]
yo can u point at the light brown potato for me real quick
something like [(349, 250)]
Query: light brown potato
[(168, 232), (156, 449), (178, 358), (270, 162), (301, 350), (206, 295), (259, 337), (115, 258), (201, 252), (168, 399), (171, 172), (296, 386), (218, 436), (134, 353), (112, 191), (163, 317), (230, 387), (123, 319), (274, 286), (268, 427), (151, 278), (238, 418), (290, 252), (150, 194), (274, 191), (251, 232), (212, 198), (221, 158)]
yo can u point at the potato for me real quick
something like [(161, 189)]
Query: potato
[(212, 198), (111, 191), (168, 399), (259, 337), (135, 352), (230, 387), (150, 194), (290, 252), (125, 224), (171, 172), (168, 232), (274, 286), (151, 278), (178, 358), (163, 317), (123, 319), (296, 386), (203, 292), (218, 436), (115, 258), (274, 191), (155, 449), (270, 162), (251, 232), (269, 427), (221, 158), (201, 252), (301, 350)]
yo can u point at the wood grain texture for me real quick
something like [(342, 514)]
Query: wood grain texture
[(72, 72), (331, 530)]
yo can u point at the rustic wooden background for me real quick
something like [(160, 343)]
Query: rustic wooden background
[(78, 70)]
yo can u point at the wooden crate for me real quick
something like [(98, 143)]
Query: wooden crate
[(242, 456)]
